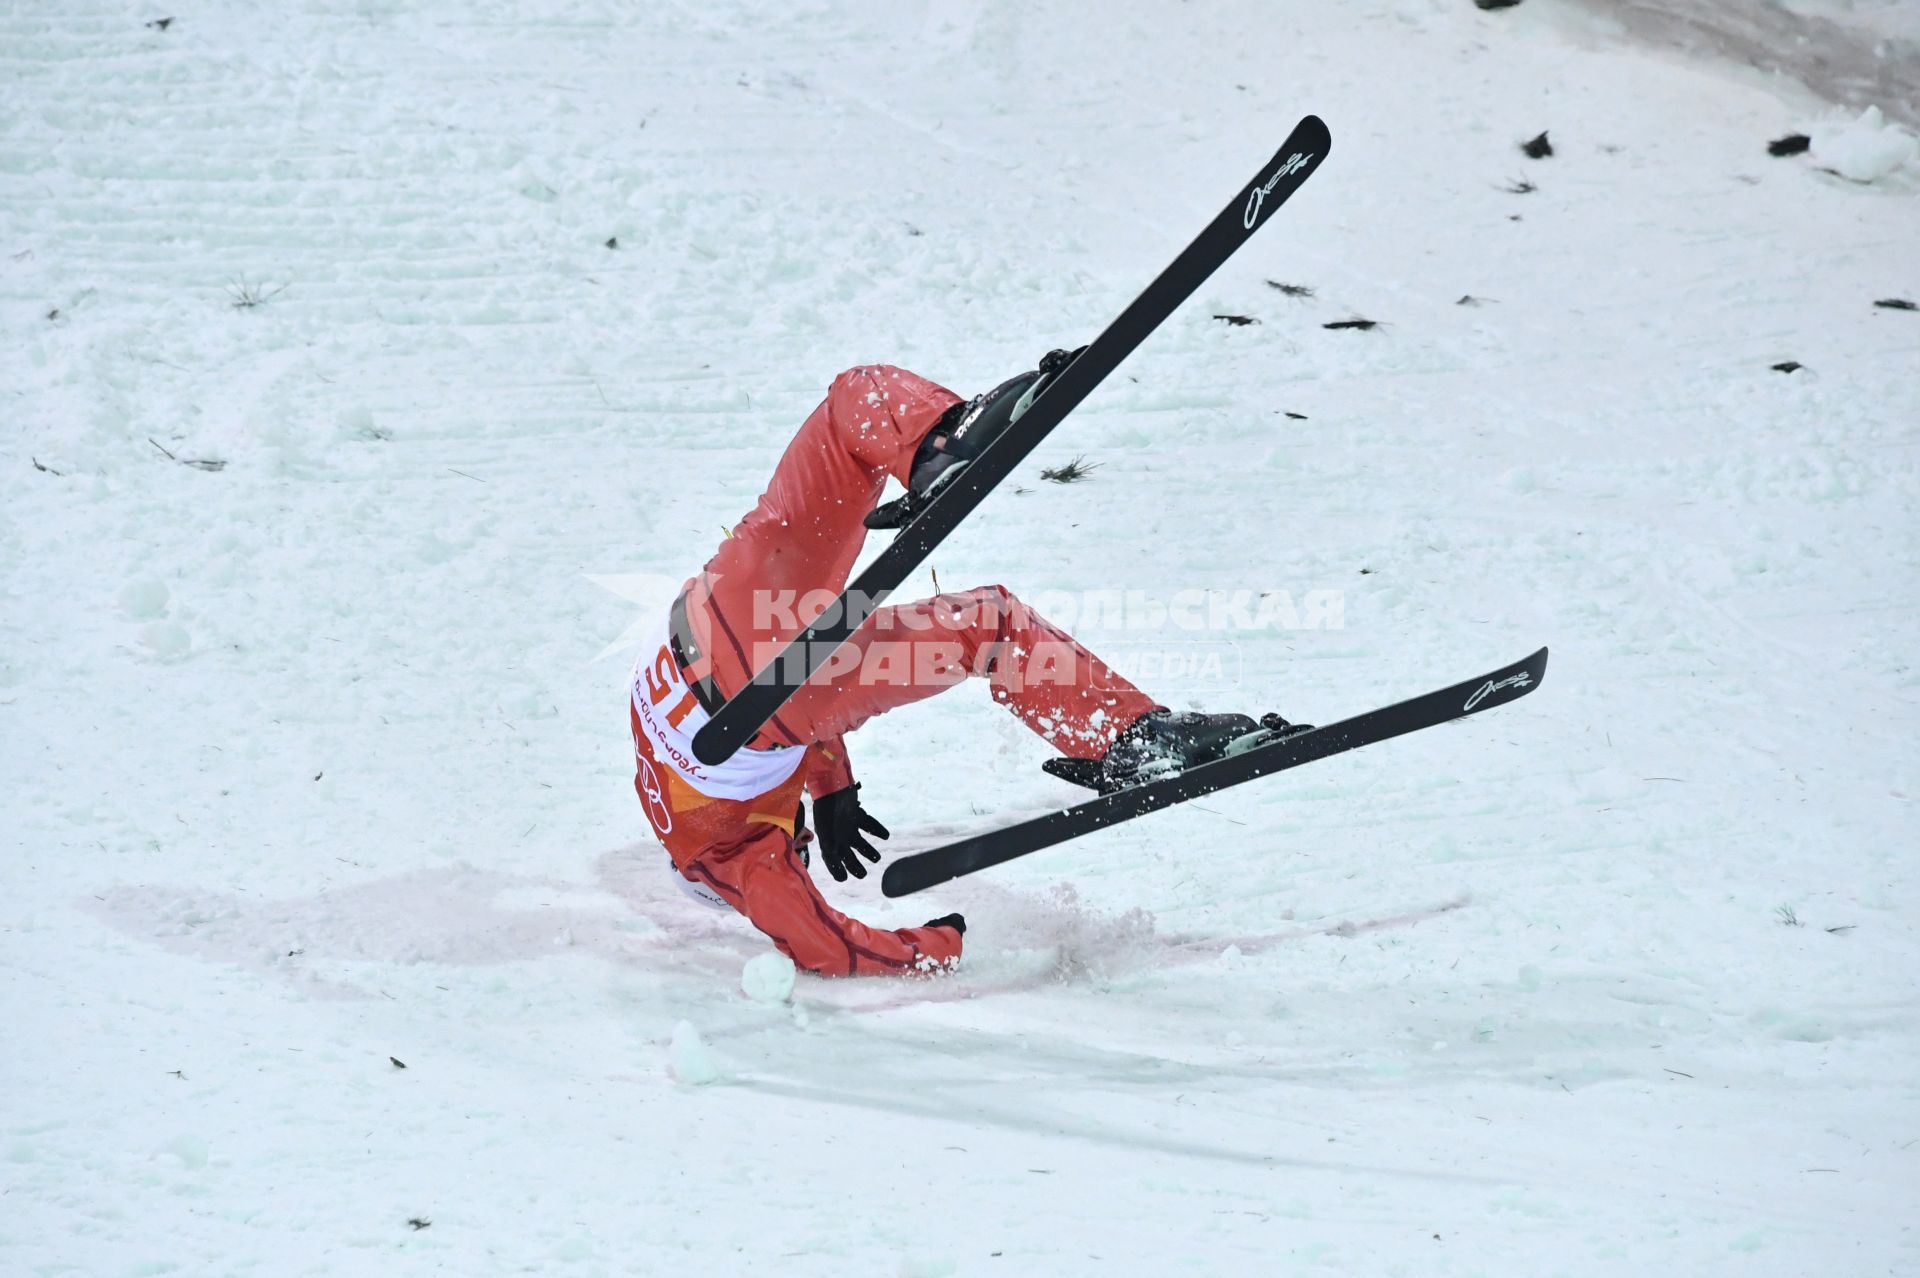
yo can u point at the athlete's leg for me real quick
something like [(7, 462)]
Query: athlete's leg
[(787, 557), (908, 652)]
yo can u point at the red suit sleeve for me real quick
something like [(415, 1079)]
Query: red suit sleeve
[(763, 878), (829, 770)]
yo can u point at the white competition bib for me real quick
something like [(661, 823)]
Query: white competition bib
[(670, 714)]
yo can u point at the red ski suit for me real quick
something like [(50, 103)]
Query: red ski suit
[(770, 578)]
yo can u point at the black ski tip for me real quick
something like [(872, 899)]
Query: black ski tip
[(903, 878), (1504, 685), (1291, 165), (1312, 132), (921, 870)]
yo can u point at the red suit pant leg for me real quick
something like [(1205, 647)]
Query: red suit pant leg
[(908, 652), (792, 552), (764, 879)]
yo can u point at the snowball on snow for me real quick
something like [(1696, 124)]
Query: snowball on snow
[(768, 978), (189, 1149), (143, 598), (1867, 149), (689, 1059), (166, 639)]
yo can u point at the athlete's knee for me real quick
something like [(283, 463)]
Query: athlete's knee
[(993, 609), (861, 377)]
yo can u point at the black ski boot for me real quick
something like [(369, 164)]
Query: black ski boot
[(1163, 742), (963, 433)]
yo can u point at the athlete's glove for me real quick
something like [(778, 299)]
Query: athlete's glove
[(843, 826), (954, 921)]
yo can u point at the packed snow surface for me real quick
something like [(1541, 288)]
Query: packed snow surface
[(371, 366), (1866, 149)]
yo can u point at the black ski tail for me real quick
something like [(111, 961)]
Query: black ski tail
[(750, 707), (926, 869)]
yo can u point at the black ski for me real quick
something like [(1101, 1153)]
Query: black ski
[(938, 865), (743, 714)]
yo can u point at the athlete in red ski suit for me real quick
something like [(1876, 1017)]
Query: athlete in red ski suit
[(731, 829)]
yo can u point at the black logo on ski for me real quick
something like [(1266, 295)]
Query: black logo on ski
[(743, 714), (938, 865)]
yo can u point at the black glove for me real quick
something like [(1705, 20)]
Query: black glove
[(954, 921), (840, 820)]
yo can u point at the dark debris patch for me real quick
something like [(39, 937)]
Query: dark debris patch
[(1788, 366), (248, 296), (1298, 417), (45, 469), (1362, 324), (397, 1062), (1292, 290), (1238, 321), (419, 1222), (1896, 304), (1537, 148), (1071, 473), (1519, 186), (613, 241), (160, 24), (1468, 299), (1792, 144), (1495, 4), (198, 463)]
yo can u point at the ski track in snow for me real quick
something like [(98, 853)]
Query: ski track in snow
[(310, 767)]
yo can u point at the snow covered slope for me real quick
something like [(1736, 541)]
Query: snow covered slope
[(311, 765)]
